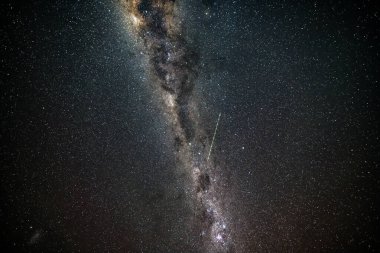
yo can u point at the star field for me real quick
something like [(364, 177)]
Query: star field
[(110, 109)]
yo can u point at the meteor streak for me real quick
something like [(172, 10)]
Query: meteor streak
[(213, 137)]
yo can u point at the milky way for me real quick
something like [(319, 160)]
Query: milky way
[(173, 68)]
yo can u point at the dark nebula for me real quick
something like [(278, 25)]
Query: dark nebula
[(173, 62)]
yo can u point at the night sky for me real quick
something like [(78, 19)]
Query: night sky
[(189, 126)]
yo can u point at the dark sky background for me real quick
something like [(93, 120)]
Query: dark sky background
[(86, 155)]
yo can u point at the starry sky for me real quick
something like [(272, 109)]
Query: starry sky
[(110, 108)]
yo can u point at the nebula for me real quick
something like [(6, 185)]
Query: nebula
[(173, 68)]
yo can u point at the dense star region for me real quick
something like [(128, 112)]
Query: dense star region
[(173, 67)]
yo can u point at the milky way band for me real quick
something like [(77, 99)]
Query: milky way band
[(173, 67)]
